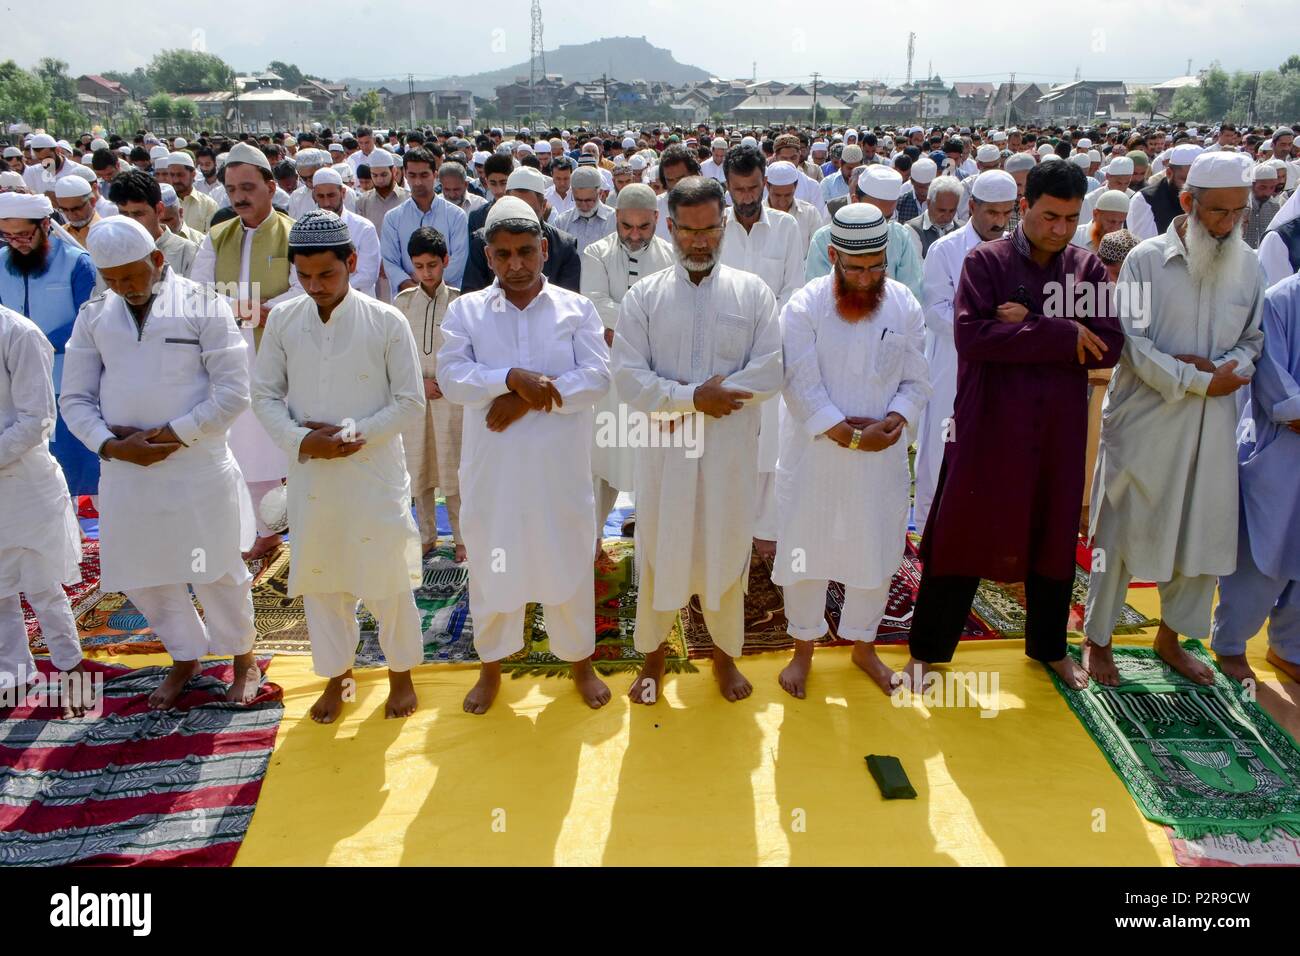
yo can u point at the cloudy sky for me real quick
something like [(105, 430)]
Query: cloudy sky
[(1139, 40)]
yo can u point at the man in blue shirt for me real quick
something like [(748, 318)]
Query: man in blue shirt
[(424, 208)]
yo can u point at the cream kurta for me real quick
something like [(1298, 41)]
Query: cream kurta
[(608, 271), (432, 444), (695, 515), (40, 543), (1167, 465), (527, 506), (187, 518), (350, 518), (846, 510)]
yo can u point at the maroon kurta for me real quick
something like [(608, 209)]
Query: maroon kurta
[(1011, 486)]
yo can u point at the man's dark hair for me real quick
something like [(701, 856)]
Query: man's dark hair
[(364, 131), (530, 160), (134, 186), (953, 146), (350, 142), (415, 136), (139, 153), (743, 160), (902, 162), (869, 139), (695, 191), (103, 159), (426, 240), (672, 156), (419, 155), (363, 170), (1059, 180), (341, 251), (285, 169), (203, 151), (221, 215), (514, 227), (563, 162), (498, 163)]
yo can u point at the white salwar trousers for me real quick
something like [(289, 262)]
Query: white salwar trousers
[(805, 611), (226, 628), (334, 631), (726, 624), (57, 627), (570, 628)]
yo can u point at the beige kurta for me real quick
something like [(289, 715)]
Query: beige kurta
[(433, 443)]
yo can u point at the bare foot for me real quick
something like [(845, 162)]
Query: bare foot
[(1074, 676), (730, 680), (263, 546), (1176, 656), (1235, 666), (248, 677), (648, 684), (1099, 661), (401, 695), (78, 692), (481, 695), (766, 549), (912, 676), (460, 553), (794, 679), (177, 677), (865, 656), (329, 704), (593, 690), (1286, 667)]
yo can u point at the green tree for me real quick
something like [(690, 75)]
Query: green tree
[(24, 97), (184, 112), (367, 108), (1188, 104), (293, 77), (68, 120), (1292, 64), (55, 74), (1216, 94), (159, 109), (1144, 102), (189, 71)]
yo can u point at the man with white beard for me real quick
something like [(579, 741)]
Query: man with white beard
[(855, 379), (699, 337), (990, 206), (1164, 496), (590, 220), (610, 267), (767, 243)]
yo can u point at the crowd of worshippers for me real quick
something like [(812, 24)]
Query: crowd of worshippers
[(226, 340)]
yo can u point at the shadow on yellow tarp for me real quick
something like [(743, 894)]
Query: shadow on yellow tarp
[(542, 779)]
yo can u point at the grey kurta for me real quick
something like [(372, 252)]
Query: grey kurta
[(432, 442), (1167, 465)]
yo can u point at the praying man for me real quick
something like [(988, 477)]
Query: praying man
[(336, 381), (155, 373), (1164, 495), (527, 360), (702, 338), (856, 377)]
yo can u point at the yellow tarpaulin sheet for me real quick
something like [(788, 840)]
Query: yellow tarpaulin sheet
[(544, 780)]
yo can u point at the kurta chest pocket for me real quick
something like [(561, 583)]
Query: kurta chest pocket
[(731, 335), (179, 360), (888, 352)]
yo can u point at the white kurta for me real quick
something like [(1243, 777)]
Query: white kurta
[(259, 458), (366, 241), (350, 517), (40, 544), (845, 511), (695, 515), (809, 219), (772, 250), (942, 268), (1167, 464), (187, 518), (527, 505), (608, 271)]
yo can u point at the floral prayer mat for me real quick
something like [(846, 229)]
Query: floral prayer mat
[(443, 600), (1002, 606), (1205, 761), (81, 596), (133, 786)]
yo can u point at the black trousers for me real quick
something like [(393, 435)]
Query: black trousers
[(943, 603)]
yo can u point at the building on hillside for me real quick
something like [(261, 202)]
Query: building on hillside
[(111, 92)]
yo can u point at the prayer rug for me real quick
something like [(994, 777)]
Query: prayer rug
[(1203, 760), (1002, 606), (134, 786), (80, 596), (1276, 850), (765, 624), (443, 600)]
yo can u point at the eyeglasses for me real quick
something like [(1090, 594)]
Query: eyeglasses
[(691, 233), (20, 237)]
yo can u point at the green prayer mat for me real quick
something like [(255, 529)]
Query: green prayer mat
[(443, 601), (1204, 760)]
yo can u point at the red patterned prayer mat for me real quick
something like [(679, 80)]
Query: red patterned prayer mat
[(133, 786)]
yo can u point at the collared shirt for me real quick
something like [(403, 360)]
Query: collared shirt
[(400, 222), (771, 249), (833, 187), (904, 263), (560, 204), (587, 229), (197, 211)]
